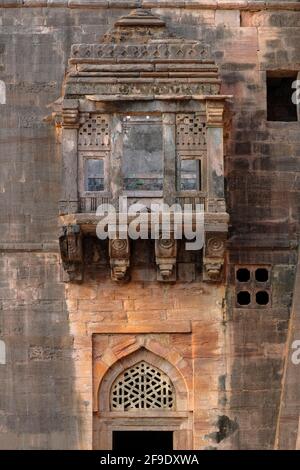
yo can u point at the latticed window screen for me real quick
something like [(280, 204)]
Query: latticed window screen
[(142, 386), (190, 131), (94, 133)]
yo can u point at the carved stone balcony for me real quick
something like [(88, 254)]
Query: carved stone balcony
[(142, 117)]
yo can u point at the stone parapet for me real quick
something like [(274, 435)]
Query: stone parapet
[(184, 4)]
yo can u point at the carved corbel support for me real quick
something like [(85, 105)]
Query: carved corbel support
[(214, 256), (70, 114), (119, 255), (70, 243), (165, 256)]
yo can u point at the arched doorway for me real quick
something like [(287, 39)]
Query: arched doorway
[(142, 405)]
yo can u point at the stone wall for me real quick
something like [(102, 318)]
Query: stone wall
[(157, 317), (46, 384)]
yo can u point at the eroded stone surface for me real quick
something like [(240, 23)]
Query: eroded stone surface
[(238, 355)]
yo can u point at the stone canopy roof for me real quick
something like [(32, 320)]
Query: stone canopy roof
[(140, 59)]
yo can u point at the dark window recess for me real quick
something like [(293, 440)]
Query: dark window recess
[(143, 154), (190, 175), (262, 297), (280, 106), (261, 275), (243, 275), (94, 174), (243, 297)]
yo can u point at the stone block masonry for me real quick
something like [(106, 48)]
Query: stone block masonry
[(60, 339)]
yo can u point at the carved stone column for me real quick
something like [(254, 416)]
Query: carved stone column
[(215, 155), (70, 124), (116, 182), (169, 139)]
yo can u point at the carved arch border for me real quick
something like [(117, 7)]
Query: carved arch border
[(142, 354), (115, 360), (179, 420)]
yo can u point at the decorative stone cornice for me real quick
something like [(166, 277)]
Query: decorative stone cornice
[(139, 57)]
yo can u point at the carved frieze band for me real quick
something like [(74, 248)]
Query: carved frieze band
[(149, 88), (178, 50)]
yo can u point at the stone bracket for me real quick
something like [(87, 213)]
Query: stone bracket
[(166, 256), (119, 256), (214, 255), (70, 114), (70, 243), (214, 112)]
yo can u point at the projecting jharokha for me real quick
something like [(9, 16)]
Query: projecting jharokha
[(150, 188)]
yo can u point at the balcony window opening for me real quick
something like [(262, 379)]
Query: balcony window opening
[(190, 175), (94, 174), (142, 154)]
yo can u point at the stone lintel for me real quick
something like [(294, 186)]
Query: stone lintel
[(148, 327)]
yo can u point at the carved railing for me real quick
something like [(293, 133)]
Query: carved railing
[(90, 203)]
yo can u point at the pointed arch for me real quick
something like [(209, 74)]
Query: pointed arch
[(142, 355), (142, 386)]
